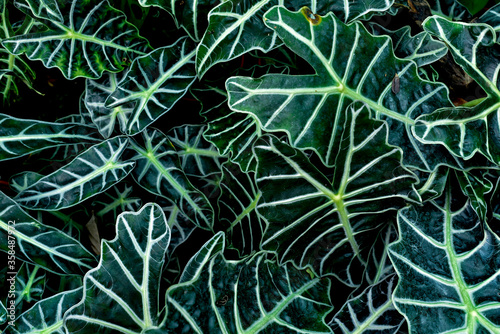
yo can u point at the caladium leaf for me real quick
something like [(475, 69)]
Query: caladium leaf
[(241, 297), (158, 170), (39, 244), (91, 38), (19, 137), (238, 200), (89, 174), (310, 108), (370, 312), (121, 293), (96, 93), (235, 27), (343, 209), (46, 316), (467, 130), (421, 48), (154, 83), (453, 255)]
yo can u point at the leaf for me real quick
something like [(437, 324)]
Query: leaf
[(248, 296), (310, 108), (327, 219), (23, 180), (448, 268), (238, 201), (180, 226), (120, 201), (370, 312), (96, 93), (474, 6), (39, 244), (158, 171), (30, 284), (467, 130), (491, 17), (451, 9), (3, 313), (235, 28), (121, 293), (90, 173), (46, 315), (198, 157), (155, 83), (20, 137), (89, 38), (349, 11), (420, 48)]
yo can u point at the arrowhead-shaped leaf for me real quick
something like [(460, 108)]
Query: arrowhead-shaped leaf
[(87, 39), (89, 174), (448, 266), (341, 208), (154, 83), (311, 108), (121, 293)]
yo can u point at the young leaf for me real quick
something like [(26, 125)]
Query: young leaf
[(310, 108), (121, 293), (89, 174), (448, 268), (154, 83), (39, 244), (91, 38)]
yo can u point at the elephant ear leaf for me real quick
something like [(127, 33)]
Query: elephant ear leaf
[(467, 130), (84, 38), (448, 266), (327, 219), (121, 293), (247, 296), (310, 108)]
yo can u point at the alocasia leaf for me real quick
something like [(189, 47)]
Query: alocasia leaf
[(451, 9), (39, 244), (158, 170), (311, 108), (235, 27), (91, 38), (249, 296), (492, 17), (370, 312), (342, 208), (238, 201), (96, 93), (46, 316), (197, 156), (121, 293), (448, 267), (467, 130), (154, 83), (421, 48), (19, 137), (89, 174), (117, 202)]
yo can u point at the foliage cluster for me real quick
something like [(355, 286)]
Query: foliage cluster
[(244, 166)]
